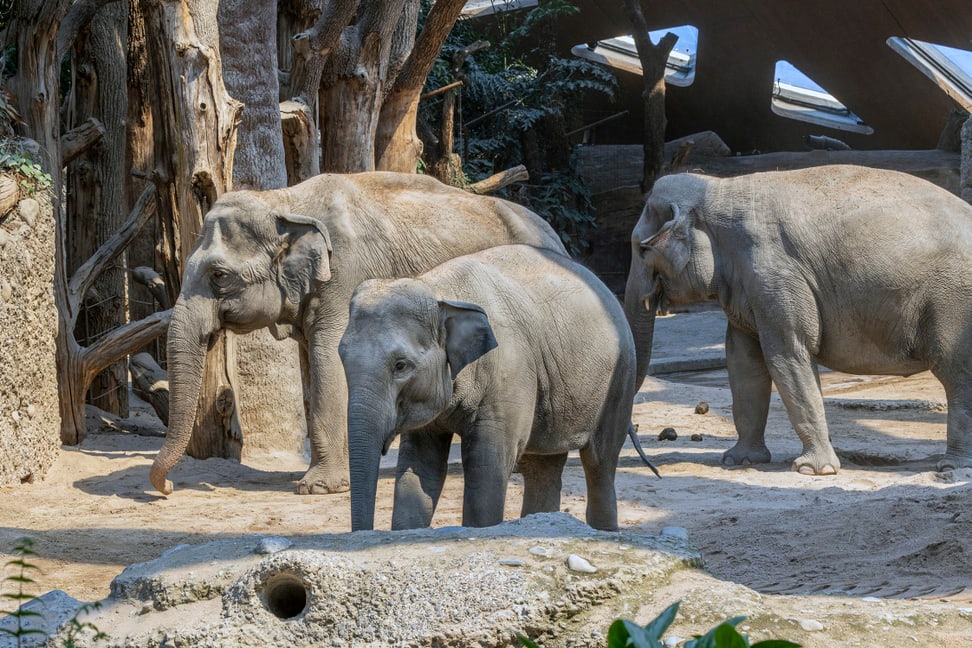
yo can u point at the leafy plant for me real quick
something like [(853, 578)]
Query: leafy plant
[(30, 175), (20, 578), (624, 633)]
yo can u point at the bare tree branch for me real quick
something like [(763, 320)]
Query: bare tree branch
[(143, 210), (80, 138), (438, 24), (499, 180), (122, 341)]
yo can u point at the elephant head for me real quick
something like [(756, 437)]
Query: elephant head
[(251, 268), (401, 352), (669, 260)]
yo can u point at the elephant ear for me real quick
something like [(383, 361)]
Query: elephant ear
[(468, 334), (672, 241), (303, 256)]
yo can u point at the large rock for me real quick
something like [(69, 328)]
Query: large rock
[(444, 587), (29, 416)]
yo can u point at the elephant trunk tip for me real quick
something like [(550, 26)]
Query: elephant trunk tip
[(157, 477)]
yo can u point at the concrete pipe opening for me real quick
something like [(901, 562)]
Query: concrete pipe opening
[(285, 595)]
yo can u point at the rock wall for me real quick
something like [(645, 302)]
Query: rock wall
[(29, 417), (966, 172)]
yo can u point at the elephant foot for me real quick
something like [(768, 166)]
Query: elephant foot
[(746, 454), (318, 482), (817, 463), (951, 461)]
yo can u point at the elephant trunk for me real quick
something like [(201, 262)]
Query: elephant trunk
[(366, 438), (188, 339), (640, 310)]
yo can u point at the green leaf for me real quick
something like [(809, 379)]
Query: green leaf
[(660, 624), (776, 643), (526, 641)]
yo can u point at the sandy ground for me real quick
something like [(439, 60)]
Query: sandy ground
[(883, 547)]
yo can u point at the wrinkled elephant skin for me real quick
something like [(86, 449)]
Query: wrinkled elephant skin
[(861, 270), (289, 259), (522, 353)]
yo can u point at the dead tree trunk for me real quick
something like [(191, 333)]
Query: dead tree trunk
[(96, 197), (196, 138), (397, 146), (653, 59), (270, 396)]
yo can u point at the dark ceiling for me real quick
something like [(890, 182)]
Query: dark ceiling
[(840, 44)]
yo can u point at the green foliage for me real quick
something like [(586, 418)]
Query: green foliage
[(20, 569), (30, 176), (624, 634), (519, 101)]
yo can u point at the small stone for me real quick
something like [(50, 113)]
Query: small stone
[(810, 625), (702, 408), (871, 599), (31, 410), (6, 291), (668, 434), (673, 641), (511, 562), (578, 564), (542, 551), (273, 544), (675, 531), (29, 210), (696, 437)]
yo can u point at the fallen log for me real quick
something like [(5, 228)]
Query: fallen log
[(150, 382)]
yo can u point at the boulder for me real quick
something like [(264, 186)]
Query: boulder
[(451, 586)]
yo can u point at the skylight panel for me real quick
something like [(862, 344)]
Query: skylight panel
[(949, 68), (620, 52), (797, 96)]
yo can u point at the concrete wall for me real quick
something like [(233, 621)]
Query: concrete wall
[(966, 171), (29, 417)]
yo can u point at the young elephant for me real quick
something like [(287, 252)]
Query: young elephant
[(862, 270), (550, 369), (289, 259)]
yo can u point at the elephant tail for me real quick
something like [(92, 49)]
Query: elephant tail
[(633, 433)]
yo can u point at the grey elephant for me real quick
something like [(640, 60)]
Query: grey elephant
[(861, 270), (522, 353), (289, 259)]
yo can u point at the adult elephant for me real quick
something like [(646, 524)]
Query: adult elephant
[(862, 270), (289, 259)]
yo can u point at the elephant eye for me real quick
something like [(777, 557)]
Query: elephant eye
[(401, 365)]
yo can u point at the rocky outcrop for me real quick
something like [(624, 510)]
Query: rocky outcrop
[(967, 160), (542, 576), (29, 416)]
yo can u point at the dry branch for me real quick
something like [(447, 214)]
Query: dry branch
[(499, 180), (151, 383), (122, 341), (81, 138)]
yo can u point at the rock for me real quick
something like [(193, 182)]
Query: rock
[(272, 544), (696, 437), (387, 588), (668, 434), (673, 641), (675, 531), (702, 408), (29, 211), (578, 564), (810, 625), (47, 612)]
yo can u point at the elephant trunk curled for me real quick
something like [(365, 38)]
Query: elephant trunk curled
[(188, 339)]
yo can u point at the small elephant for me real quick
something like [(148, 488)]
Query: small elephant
[(289, 259), (550, 369), (862, 270)]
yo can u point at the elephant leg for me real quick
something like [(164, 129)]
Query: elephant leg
[(423, 461), (541, 482), (750, 384), (488, 456), (327, 422), (602, 503), (958, 449), (798, 382)]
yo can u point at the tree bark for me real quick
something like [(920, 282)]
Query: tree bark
[(96, 197), (269, 390), (301, 154), (653, 59), (397, 146), (196, 141), (151, 384)]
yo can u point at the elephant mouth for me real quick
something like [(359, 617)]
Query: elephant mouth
[(387, 444)]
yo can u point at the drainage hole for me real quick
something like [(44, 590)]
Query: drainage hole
[(286, 595)]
